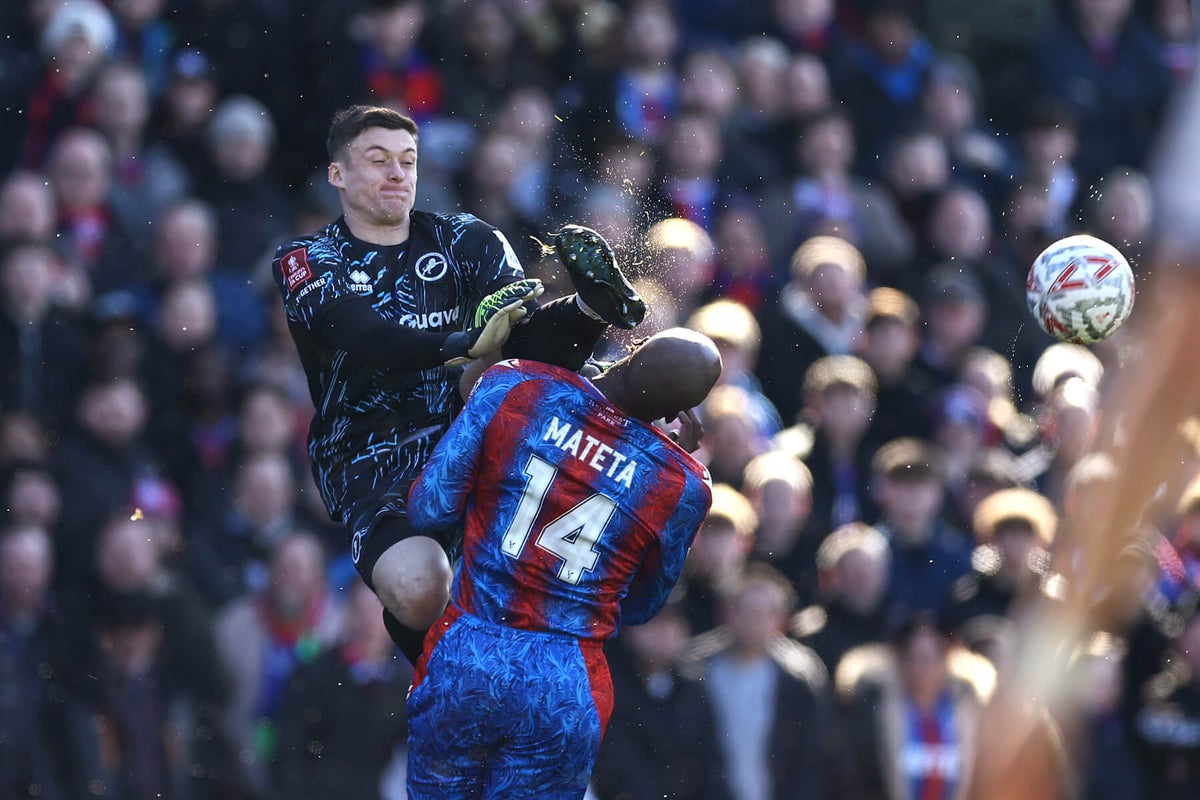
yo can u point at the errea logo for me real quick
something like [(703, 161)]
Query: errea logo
[(361, 282)]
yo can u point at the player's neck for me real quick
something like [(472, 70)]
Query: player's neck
[(373, 233)]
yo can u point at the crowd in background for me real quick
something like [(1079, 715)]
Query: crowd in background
[(845, 196)]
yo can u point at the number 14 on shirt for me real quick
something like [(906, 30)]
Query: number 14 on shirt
[(572, 536)]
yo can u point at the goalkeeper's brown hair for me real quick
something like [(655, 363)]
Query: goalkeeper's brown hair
[(350, 122)]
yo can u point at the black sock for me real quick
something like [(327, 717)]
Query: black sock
[(557, 333), (409, 640)]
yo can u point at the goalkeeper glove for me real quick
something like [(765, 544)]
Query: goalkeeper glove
[(463, 346), (492, 323), (523, 290)]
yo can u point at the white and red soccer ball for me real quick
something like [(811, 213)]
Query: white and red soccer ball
[(1080, 289)]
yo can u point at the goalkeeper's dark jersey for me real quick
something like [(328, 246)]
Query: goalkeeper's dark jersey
[(372, 426)]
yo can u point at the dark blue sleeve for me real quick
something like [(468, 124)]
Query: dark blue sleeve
[(311, 278), (438, 498), (662, 567)]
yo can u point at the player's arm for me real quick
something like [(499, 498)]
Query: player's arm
[(438, 498), (311, 279), (356, 328), (663, 565)]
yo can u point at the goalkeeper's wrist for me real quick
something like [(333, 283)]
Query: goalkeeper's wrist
[(458, 345)]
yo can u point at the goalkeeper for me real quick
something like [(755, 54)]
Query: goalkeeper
[(383, 305)]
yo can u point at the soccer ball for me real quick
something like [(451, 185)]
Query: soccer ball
[(1080, 289)]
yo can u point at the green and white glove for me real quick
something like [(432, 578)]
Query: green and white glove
[(523, 290), (493, 322)]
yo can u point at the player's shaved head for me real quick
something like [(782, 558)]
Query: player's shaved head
[(670, 372)]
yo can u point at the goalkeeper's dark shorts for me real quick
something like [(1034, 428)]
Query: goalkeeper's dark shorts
[(379, 519)]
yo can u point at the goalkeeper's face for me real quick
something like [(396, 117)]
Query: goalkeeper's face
[(376, 176)]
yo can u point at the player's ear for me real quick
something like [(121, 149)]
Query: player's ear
[(335, 175)]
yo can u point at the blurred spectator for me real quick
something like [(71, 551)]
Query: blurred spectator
[(731, 433), (253, 47), (717, 556), (342, 716), (759, 122), (883, 76), (961, 235), (1048, 145), (252, 211), (1026, 214), (642, 95), (1181, 570), (735, 331), (1014, 532), (263, 422), (187, 104), (818, 313), (1089, 479), (623, 167), (262, 639), (1063, 360), (779, 488), (145, 39), (189, 374), (30, 496), (528, 110), (852, 564), (147, 177), (708, 82), (139, 743), (992, 469), (807, 95), (1175, 23), (892, 339), (229, 546), (962, 429), (131, 558), (30, 654), (89, 232), (680, 257), (1068, 424), (690, 183), (660, 741), (75, 42), (826, 196), (1102, 62), (380, 55), (950, 107), (990, 373), (743, 270), (99, 466), (1122, 213), (1166, 725), (489, 190), (912, 714), (186, 242), (484, 56), (916, 172), (839, 395), (1105, 755), (955, 312), (23, 440), (769, 694), (809, 26), (27, 210), (41, 344), (927, 555)]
